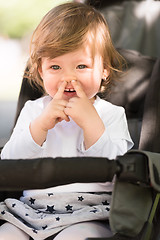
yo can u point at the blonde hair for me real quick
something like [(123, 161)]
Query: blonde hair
[(66, 28)]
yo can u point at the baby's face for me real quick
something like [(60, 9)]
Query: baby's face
[(77, 65)]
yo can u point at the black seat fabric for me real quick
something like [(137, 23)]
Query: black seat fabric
[(150, 133), (131, 90)]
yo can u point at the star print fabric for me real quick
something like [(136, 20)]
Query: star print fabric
[(41, 216)]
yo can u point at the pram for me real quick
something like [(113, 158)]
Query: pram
[(135, 204)]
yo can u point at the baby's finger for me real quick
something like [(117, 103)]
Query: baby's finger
[(59, 119), (65, 117), (78, 88), (62, 116), (59, 93)]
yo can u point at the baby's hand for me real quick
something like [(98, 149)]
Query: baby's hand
[(82, 111), (54, 112), (80, 108)]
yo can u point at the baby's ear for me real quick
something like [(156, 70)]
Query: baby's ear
[(105, 73), (40, 70)]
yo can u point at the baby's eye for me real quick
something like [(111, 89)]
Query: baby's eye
[(55, 67), (81, 66)]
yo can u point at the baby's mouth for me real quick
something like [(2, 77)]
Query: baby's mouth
[(69, 90)]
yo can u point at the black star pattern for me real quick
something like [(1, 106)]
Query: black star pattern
[(80, 198), (44, 227), (57, 219), (50, 209), (107, 209), (38, 212), (68, 207), (94, 211), (35, 231), (50, 194), (26, 214), (3, 212), (105, 202), (32, 200), (13, 205)]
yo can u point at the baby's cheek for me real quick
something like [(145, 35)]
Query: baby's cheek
[(50, 88)]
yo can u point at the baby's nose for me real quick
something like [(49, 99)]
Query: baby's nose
[(68, 79), (68, 76)]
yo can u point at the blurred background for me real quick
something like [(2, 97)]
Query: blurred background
[(134, 25)]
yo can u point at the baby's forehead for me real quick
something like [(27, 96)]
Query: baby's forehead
[(86, 51)]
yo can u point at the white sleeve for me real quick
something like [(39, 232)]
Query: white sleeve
[(21, 144), (115, 140)]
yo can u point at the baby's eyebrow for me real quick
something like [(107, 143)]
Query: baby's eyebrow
[(84, 60), (52, 60)]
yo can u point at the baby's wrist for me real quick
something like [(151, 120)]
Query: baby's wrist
[(39, 124), (38, 133)]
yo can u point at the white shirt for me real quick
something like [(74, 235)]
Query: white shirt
[(66, 140)]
